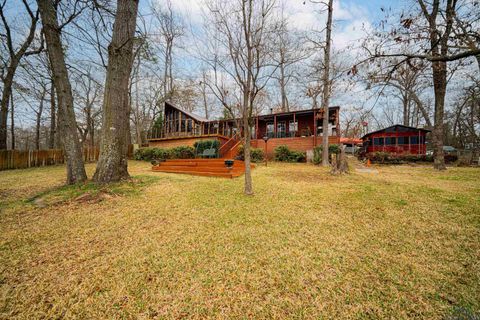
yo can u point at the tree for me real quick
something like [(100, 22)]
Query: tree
[(171, 29), (15, 56), (326, 84), (430, 28), (66, 114), (242, 32), (112, 164)]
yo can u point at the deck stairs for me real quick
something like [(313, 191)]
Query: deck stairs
[(202, 167), (208, 167)]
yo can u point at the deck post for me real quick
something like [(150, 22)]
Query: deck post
[(294, 125), (274, 126)]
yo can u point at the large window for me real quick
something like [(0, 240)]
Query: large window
[(281, 129), (402, 140), (270, 131), (378, 141), (292, 128), (414, 140), (390, 141)]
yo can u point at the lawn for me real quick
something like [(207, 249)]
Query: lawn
[(402, 242)]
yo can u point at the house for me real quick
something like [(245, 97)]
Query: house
[(300, 130), (396, 139)]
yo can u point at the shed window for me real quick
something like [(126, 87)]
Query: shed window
[(414, 140), (390, 140), (402, 140), (378, 141)]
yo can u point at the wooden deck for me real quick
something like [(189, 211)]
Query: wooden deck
[(202, 167)]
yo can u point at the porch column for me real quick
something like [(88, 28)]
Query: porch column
[(274, 126), (218, 127), (256, 127), (295, 127), (314, 128), (337, 120)]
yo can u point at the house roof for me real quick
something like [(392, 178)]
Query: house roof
[(190, 114), (261, 116), (395, 126)]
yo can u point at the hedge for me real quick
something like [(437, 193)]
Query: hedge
[(256, 154), (149, 154), (284, 154), (389, 158)]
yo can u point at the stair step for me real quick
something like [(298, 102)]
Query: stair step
[(198, 169), (203, 173)]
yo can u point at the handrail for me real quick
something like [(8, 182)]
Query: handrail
[(233, 138)]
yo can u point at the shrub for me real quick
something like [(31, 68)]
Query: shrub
[(317, 152), (256, 154), (284, 154), (146, 154), (149, 154), (202, 145), (388, 158), (182, 152)]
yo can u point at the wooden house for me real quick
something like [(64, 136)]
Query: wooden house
[(300, 130), (396, 139)]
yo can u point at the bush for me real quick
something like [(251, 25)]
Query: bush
[(388, 158), (284, 154), (149, 154), (202, 145), (256, 154), (317, 152), (182, 152)]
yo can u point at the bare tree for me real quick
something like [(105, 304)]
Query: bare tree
[(66, 114), (326, 84), (242, 30), (430, 26), (112, 164), (290, 49), (171, 29), (15, 55)]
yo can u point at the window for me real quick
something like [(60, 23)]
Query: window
[(414, 140), (281, 129), (270, 129), (378, 141), (292, 128), (402, 140), (390, 140)]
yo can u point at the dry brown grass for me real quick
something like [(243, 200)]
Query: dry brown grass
[(402, 243)]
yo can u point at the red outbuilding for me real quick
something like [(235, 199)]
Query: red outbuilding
[(397, 139)]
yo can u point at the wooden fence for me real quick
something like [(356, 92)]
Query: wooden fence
[(17, 159)]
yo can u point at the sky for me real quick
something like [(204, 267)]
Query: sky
[(350, 16)]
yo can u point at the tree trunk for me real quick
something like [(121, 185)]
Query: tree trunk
[(12, 121), (405, 100), (112, 163), (53, 111), (66, 114), (326, 87), (439, 88), (247, 158), (6, 93), (283, 91), (38, 121)]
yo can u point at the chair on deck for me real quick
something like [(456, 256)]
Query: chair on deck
[(209, 153)]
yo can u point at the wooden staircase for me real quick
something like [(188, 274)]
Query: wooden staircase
[(202, 167)]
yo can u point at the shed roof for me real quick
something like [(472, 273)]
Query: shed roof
[(395, 128)]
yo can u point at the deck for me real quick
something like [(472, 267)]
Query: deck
[(202, 167)]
